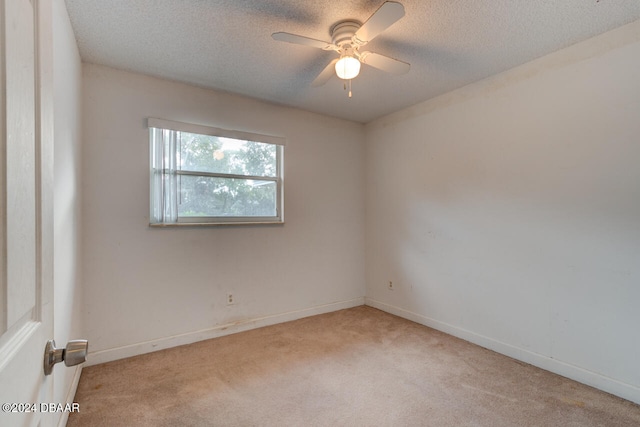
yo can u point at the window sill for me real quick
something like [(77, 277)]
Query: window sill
[(214, 224)]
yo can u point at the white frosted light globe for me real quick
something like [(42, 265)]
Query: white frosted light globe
[(347, 67)]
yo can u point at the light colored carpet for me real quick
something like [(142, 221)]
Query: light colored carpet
[(355, 367)]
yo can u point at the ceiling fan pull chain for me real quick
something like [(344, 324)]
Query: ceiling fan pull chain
[(345, 87)]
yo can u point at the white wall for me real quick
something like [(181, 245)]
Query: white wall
[(508, 212), (67, 128), (147, 289)]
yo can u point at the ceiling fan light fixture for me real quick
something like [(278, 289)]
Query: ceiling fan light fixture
[(347, 37), (348, 67)]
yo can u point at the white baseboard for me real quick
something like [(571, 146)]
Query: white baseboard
[(609, 385), (71, 394), (108, 355)]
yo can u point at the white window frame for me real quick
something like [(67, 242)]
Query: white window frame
[(163, 208)]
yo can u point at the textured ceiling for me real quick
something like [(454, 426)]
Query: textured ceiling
[(227, 44)]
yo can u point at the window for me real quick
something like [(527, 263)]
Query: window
[(204, 175)]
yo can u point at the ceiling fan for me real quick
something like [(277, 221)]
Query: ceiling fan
[(347, 37)]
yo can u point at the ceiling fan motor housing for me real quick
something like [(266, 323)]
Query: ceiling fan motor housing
[(343, 31)]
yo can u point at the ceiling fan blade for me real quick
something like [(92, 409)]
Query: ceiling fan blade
[(305, 41), (326, 74), (382, 19), (384, 63)]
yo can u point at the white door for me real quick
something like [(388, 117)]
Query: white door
[(26, 210)]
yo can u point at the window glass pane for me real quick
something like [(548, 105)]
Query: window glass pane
[(209, 196), (204, 153)]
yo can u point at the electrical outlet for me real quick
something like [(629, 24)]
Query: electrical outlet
[(230, 299), (390, 285)]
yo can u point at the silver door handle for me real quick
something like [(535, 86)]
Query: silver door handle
[(74, 354)]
